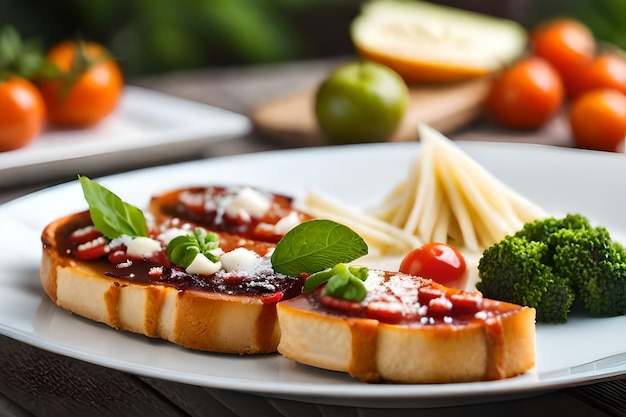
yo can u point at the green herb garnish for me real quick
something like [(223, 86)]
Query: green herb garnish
[(323, 247), (316, 245), (342, 281), (112, 216), (182, 250)]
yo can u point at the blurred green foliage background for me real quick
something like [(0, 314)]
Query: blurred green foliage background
[(154, 36)]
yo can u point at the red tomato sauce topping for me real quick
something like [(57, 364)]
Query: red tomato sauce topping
[(244, 211), (397, 298)]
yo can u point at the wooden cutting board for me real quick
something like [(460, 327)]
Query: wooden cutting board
[(291, 119)]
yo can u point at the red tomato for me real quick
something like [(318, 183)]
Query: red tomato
[(526, 95), (384, 311), (607, 70), (598, 120), (566, 44), (22, 113), (94, 249), (89, 88), (340, 303), (440, 262)]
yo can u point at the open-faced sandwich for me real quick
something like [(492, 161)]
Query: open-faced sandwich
[(404, 328), (240, 270), (237, 270), (195, 270)]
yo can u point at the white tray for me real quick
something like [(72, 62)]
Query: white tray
[(146, 127)]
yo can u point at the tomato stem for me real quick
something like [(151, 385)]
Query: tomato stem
[(80, 65), (17, 56)]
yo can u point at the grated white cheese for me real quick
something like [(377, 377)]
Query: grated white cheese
[(93, 243), (83, 230), (248, 203), (240, 259), (399, 288), (122, 240), (126, 264), (192, 198), (156, 271), (481, 315), (287, 223), (442, 301)]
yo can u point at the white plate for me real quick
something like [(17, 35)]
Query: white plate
[(560, 180), (147, 126)]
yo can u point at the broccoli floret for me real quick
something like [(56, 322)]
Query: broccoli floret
[(551, 263), (518, 270), (577, 253), (541, 230), (556, 303), (604, 293), (596, 267)]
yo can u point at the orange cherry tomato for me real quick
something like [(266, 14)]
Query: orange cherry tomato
[(440, 262), (607, 70), (22, 113), (526, 95), (598, 120), (566, 44), (89, 88)]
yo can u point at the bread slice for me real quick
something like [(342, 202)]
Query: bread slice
[(398, 334), (205, 319)]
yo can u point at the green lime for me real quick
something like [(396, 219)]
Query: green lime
[(361, 102)]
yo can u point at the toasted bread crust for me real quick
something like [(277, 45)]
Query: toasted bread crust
[(194, 319), (367, 349)]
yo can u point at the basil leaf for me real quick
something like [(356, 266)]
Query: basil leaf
[(316, 245), (112, 216), (182, 250)]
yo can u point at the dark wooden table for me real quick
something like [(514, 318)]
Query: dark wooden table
[(34, 382)]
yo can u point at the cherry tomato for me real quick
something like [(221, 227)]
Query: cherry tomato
[(440, 262), (598, 120), (566, 44), (89, 87), (85, 234), (607, 70), (384, 311), (22, 113), (340, 304), (94, 249), (526, 95)]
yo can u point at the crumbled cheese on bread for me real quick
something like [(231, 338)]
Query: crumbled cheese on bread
[(202, 265), (142, 247), (240, 259), (248, 203)]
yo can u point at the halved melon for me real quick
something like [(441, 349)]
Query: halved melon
[(424, 42)]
